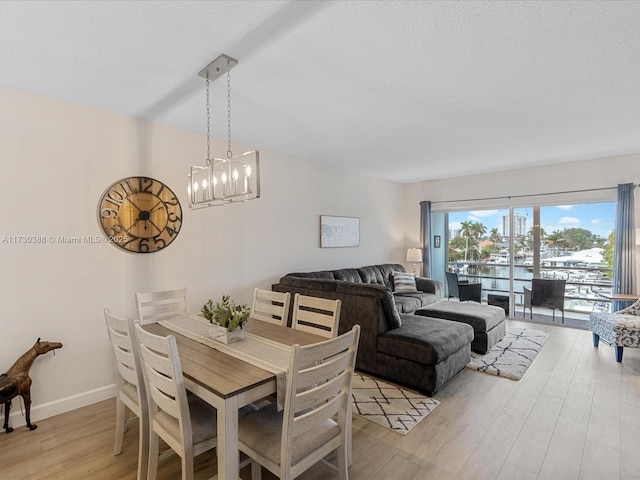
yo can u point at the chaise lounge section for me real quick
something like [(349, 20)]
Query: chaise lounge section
[(487, 321), (423, 353), (419, 352)]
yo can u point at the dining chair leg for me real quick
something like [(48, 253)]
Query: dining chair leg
[(343, 473), (256, 470), (187, 466), (154, 451), (143, 450), (121, 420)]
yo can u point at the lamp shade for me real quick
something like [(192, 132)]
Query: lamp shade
[(414, 255)]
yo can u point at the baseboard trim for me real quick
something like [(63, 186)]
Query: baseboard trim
[(50, 409)]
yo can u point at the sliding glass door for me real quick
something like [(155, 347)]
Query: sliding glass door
[(504, 249)]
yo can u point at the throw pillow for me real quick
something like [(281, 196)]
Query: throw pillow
[(404, 282)]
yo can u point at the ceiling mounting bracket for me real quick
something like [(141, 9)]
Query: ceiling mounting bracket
[(218, 67)]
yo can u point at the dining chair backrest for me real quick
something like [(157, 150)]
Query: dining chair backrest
[(320, 316), (316, 416), (272, 307), (166, 393), (156, 306), (130, 385), (186, 423), (318, 389)]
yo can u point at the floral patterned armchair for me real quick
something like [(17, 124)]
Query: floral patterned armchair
[(619, 329)]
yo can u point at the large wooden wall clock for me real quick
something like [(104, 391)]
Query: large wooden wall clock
[(140, 214)]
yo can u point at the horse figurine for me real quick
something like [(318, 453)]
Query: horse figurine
[(18, 382)]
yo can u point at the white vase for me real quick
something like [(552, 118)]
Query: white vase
[(221, 334)]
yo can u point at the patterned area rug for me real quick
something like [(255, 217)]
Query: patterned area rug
[(512, 355), (388, 405)]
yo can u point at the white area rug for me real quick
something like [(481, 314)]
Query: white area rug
[(512, 355), (388, 405)]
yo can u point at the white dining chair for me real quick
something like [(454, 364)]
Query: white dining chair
[(186, 423), (314, 421), (272, 307), (130, 388), (156, 306), (320, 316)]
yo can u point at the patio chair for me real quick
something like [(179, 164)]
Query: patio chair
[(544, 293), (462, 289)]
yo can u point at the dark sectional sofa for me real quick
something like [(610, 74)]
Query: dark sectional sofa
[(423, 353)]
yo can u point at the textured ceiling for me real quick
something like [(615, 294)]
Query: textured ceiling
[(405, 91)]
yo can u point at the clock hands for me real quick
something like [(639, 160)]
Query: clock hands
[(157, 228), (157, 205)]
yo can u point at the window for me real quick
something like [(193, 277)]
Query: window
[(571, 242)]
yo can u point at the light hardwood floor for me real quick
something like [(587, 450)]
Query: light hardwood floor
[(574, 415)]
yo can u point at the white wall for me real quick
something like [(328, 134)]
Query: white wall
[(58, 158)]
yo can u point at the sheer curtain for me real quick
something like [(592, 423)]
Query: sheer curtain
[(425, 233), (624, 258)]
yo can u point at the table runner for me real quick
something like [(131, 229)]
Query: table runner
[(255, 350)]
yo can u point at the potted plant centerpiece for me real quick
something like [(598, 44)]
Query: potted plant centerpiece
[(226, 319)]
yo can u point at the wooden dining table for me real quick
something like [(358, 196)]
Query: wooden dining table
[(228, 383)]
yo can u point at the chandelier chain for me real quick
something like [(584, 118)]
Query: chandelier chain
[(208, 124), (229, 154)]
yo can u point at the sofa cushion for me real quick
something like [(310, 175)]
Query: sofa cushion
[(425, 340), (323, 275), (347, 275), (386, 272), (404, 282), (371, 274), (407, 303), (310, 284), (482, 318), (360, 296)]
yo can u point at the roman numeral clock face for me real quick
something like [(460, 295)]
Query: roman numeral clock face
[(140, 214)]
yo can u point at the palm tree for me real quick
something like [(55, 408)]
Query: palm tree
[(477, 231), (466, 230), (556, 237), (494, 235)]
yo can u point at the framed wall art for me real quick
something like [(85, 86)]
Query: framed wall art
[(339, 231)]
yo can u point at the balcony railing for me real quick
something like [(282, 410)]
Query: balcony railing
[(585, 290)]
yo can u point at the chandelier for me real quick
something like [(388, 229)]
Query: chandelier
[(221, 181)]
